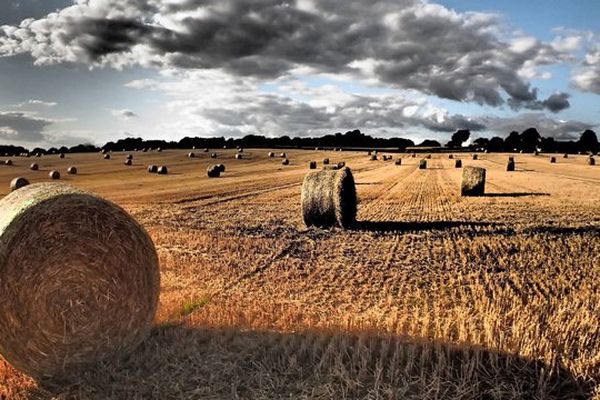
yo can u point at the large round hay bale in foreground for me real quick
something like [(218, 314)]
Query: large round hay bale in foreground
[(79, 280), (72, 170), (213, 171), (473, 181), (329, 198), (457, 163), (591, 161), (18, 183), (54, 174), (510, 165), (423, 164), (34, 167)]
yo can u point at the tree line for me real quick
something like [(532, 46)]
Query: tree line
[(527, 141)]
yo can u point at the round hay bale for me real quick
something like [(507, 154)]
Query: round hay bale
[(511, 158), (221, 167), (206, 150), (565, 155), (225, 147), (398, 161), (369, 152), (107, 156), (450, 156), (128, 162), (413, 155), (162, 170), (312, 165), (159, 150), (552, 160), (18, 183), (103, 151), (283, 155), (240, 150), (37, 155), (61, 155), (213, 155), (326, 161), (510, 165), (329, 198), (152, 169), (373, 157), (34, 167), (474, 156), (54, 174), (238, 156), (72, 170), (144, 150), (213, 171), (591, 161), (457, 163), (536, 153), (271, 154), (193, 147), (423, 164), (95, 275), (8, 162), (473, 181), (341, 164), (129, 156), (428, 156), (285, 162), (191, 155)]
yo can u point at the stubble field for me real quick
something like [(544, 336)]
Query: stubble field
[(431, 295)]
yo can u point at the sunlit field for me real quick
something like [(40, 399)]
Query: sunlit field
[(430, 295)]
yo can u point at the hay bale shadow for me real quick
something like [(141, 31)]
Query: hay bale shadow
[(179, 362), (400, 226), (516, 194)]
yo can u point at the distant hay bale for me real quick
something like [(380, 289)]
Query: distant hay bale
[(312, 165), (591, 161), (240, 150), (103, 151), (193, 147), (37, 155), (61, 155), (398, 161), (206, 150), (511, 158), (326, 161), (54, 174), (213, 155), (423, 164), (486, 151), (128, 162), (271, 154), (18, 183), (34, 167), (191, 155), (474, 156), (213, 171), (413, 155), (8, 162), (329, 198), (152, 169), (162, 170), (221, 167), (159, 150), (510, 165), (552, 160), (145, 150), (369, 153), (473, 181), (457, 163), (129, 156), (107, 156), (95, 274), (283, 155), (565, 155), (450, 156), (285, 162), (341, 164), (225, 147), (536, 153), (238, 156), (373, 157), (72, 170)]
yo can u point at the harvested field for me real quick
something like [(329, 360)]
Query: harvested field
[(429, 295)]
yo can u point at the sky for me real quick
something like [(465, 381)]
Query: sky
[(90, 71)]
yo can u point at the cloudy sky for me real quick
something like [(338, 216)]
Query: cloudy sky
[(97, 70)]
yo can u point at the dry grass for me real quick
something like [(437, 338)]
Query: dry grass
[(431, 296)]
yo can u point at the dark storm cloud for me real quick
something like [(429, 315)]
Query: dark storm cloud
[(554, 103), (549, 127), (22, 127), (405, 44)]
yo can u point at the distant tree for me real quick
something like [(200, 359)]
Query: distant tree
[(588, 141), (530, 140), (481, 143), (496, 144), (429, 143), (512, 142), (38, 150), (459, 137)]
